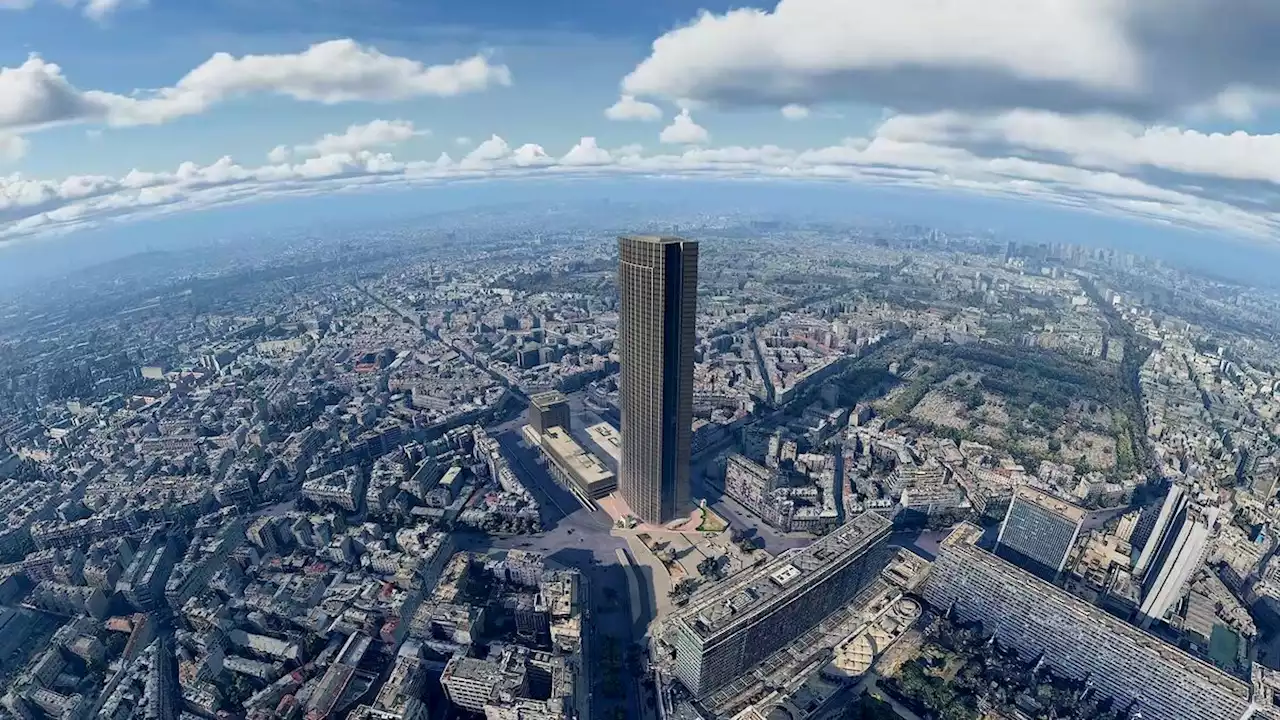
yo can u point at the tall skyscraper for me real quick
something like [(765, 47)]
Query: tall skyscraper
[(735, 625), (1039, 531), (1076, 639), (658, 285), (1176, 549), (1153, 528)]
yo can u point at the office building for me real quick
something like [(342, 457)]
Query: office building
[(524, 568), (748, 482), (658, 286), (607, 439), (575, 469), (143, 582), (515, 683), (1039, 531), (469, 683), (724, 632), (344, 488), (533, 621), (1154, 526), (1076, 639), (548, 410), (401, 695), (1180, 551)]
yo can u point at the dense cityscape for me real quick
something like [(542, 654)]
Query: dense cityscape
[(542, 468)]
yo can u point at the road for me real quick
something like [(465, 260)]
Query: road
[(558, 504), (580, 538), (739, 517)]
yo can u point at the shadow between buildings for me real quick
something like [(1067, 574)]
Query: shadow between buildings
[(614, 638)]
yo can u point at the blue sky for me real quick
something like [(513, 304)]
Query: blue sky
[(566, 58), (1161, 111)]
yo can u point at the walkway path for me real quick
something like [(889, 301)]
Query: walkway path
[(871, 683), (633, 585)]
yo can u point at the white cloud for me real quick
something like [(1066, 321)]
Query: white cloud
[(913, 151), (1102, 142), (531, 155), (1151, 59), (1238, 103), (371, 135), (684, 131), (330, 72), (97, 10), (587, 152), (279, 154), (12, 148), (36, 94), (629, 108), (795, 112), (462, 141), (100, 9), (803, 48), (487, 153)]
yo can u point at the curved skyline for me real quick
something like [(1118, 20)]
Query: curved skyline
[(122, 109)]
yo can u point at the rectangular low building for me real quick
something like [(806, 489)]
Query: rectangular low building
[(1039, 531), (572, 466), (1077, 639), (725, 631), (608, 438)]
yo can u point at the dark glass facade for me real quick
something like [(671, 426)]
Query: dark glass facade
[(658, 287)]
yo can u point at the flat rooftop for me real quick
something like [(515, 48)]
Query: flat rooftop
[(463, 667), (964, 540), (586, 468), (656, 239), (742, 600), (1054, 504), (544, 400), (608, 438)]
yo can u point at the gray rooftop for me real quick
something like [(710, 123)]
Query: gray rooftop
[(657, 239), (546, 399), (745, 598)]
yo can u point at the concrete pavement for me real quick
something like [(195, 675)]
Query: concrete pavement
[(578, 537), (584, 539)]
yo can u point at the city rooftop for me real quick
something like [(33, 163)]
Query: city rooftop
[(742, 600)]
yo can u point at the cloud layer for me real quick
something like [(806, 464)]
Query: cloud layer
[(1077, 103), (1093, 165), (1101, 142), (357, 138), (97, 10), (1147, 58), (36, 94)]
